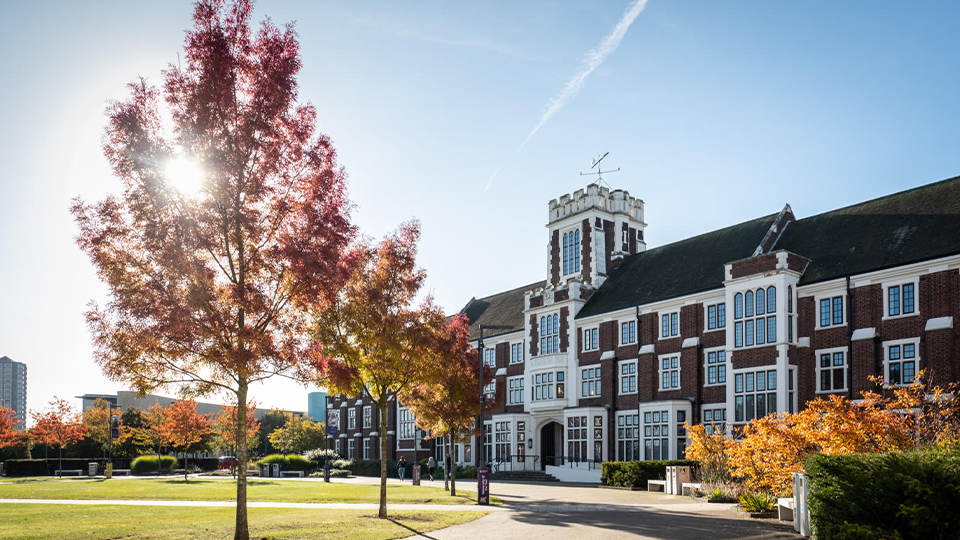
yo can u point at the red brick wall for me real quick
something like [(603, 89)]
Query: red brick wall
[(561, 295), (608, 243), (586, 255), (555, 258), (633, 240), (755, 265), (534, 336), (536, 301), (564, 329), (796, 262)]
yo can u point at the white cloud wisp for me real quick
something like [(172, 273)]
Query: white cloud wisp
[(590, 62)]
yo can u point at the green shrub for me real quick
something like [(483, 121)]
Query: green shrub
[(720, 496), (369, 467), (897, 495), (334, 473), (346, 464), (758, 502), (321, 456), (635, 474), (148, 464), (41, 467), (300, 463), (273, 458)]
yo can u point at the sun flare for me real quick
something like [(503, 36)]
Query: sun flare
[(184, 175)]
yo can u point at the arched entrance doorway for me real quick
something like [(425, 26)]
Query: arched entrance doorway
[(551, 444)]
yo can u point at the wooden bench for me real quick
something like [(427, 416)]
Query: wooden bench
[(125, 472), (785, 508), (292, 473), (58, 472), (690, 488), (662, 485)]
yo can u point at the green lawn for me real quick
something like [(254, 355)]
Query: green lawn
[(224, 489), (67, 522)]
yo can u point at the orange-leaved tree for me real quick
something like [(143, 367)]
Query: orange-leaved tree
[(773, 447), (711, 448), (228, 226), (224, 426), (10, 432), (59, 425), (445, 400), (184, 427), (97, 421), (373, 336)]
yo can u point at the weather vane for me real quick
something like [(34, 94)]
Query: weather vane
[(595, 164)]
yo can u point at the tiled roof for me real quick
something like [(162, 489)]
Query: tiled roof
[(681, 268), (911, 226), (504, 308)]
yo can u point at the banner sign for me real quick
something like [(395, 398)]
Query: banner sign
[(114, 427), (416, 474), (483, 485), (333, 423)]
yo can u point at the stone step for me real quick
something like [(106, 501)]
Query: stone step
[(524, 476)]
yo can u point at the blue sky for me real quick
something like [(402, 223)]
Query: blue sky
[(716, 113)]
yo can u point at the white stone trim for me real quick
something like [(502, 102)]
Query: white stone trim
[(939, 323), (863, 333)]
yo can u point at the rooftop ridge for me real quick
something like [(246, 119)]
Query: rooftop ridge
[(887, 197)]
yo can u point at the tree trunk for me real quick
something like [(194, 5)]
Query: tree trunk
[(242, 531), (446, 465), (382, 407), (453, 471), (186, 462), (60, 447)]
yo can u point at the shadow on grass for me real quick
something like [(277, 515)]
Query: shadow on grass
[(411, 529)]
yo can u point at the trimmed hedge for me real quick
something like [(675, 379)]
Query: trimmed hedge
[(148, 464), (371, 467), (636, 473), (292, 462), (896, 495), (46, 467)]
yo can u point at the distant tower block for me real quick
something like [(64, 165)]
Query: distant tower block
[(13, 387), (590, 232)]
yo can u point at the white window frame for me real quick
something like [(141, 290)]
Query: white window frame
[(490, 389), (754, 392), (591, 338), (352, 418), (707, 365), (515, 389), (630, 374), (549, 340), (886, 360), (740, 323), (367, 416), (713, 422), (592, 384), (830, 297), (831, 368), (571, 265), (671, 316), (886, 298), (490, 357), (628, 436), (515, 348), (706, 316), (366, 448), (631, 324), (406, 424), (351, 448), (552, 385), (670, 369)]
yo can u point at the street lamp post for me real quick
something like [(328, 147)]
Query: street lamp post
[(483, 397)]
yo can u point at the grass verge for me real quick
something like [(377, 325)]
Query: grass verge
[(224, 489), (68, 522)]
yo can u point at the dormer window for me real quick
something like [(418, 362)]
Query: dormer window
[(571, 252)]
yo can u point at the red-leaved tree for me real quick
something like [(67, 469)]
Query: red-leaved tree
[(374, 337), (10, 433), (58, 426), (445, 400), (184, 427), (208, 286)]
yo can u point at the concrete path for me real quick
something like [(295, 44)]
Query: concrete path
[(548, 511)]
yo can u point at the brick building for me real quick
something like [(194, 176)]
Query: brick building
[(620, 345)]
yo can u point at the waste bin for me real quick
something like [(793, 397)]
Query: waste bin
[(92, 468), (265, 470), (276, 470)]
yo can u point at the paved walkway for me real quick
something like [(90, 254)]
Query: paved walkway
[(547, 511)]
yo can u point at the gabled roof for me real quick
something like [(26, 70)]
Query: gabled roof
[(911, 226), (504, 308), (678, 269)]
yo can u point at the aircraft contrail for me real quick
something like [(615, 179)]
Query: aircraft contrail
[(590, 62)]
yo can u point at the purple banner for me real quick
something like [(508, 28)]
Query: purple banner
[(416, 474), (483, 485)]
